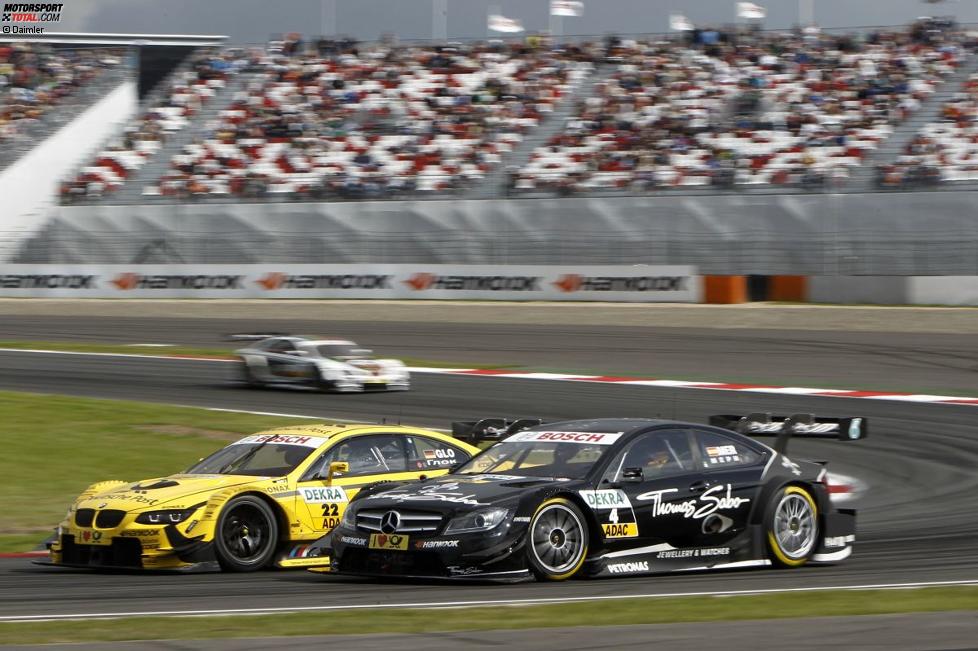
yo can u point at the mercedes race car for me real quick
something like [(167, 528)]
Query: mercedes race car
[(329, 364), (605, 497), (259, 501)]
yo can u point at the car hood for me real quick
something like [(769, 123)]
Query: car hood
[(175, 491), (370, 365), (454, 493)]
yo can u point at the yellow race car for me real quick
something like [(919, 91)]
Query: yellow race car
[(259, 501)]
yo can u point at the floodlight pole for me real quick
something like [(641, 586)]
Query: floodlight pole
[(806, 13), (439, 20), (327, 17)]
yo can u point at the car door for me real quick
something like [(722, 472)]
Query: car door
[(286, 363), (371, 458), (731, 476), (658, 474)]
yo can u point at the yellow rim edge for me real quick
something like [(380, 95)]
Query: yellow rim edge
[(773, 541), (569, 573)]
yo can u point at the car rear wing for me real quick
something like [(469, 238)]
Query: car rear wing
[(799, 425), (254, 336), (490, 429)]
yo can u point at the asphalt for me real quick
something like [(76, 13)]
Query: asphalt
[(943, 363), (950, 631), (916, 521)]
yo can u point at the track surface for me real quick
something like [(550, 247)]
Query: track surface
[(920, 362), (916, 523)]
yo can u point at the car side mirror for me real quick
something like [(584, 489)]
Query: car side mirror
[(336, 469), (632, 474)]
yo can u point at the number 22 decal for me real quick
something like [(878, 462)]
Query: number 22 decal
[(331, 518)]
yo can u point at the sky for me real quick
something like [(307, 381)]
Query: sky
[(255, 21)]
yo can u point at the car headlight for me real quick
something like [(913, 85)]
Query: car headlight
[(348, 519), (167, 516), (483, 520)]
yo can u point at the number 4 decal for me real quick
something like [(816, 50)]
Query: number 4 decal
[(613, 518)]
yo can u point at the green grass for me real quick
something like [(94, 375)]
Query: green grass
[(194, 351), (56, 446), (603, 613)]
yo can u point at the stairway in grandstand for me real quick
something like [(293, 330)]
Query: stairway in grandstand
[(495, 181), (149, 175), (930, 111)]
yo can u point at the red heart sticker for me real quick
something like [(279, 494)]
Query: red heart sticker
[(382, 540)]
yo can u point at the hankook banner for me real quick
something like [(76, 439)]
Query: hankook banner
[(527, 283)]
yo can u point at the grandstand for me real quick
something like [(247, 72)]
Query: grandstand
[(749, 110), (43, 88), (769, 138)]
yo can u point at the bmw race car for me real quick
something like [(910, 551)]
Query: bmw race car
[(603, 498), (259, 501), (329, 364)]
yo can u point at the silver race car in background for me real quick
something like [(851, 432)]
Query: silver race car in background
[(337, 365)]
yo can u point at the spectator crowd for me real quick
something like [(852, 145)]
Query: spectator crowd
[(741, 108)]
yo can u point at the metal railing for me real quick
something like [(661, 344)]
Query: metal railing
[(748, 252), (28, 135)]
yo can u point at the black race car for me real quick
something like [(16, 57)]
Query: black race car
[(605, 497)]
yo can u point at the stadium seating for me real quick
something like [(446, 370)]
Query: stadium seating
[(708, 109), (944, 151), (188, 89), (758, 110), (375, 121), (37, 80)]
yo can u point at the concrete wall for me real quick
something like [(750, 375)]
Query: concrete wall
[(894, 290), (920, 233)]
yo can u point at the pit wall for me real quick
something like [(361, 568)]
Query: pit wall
[(863, 290), (658, 284)]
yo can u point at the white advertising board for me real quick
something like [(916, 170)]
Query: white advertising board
[(652, 284)]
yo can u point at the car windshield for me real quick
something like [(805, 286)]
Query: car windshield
[(342, 350), (536, 459), (253, 459)]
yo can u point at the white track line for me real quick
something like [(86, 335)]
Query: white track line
[(473, 604)]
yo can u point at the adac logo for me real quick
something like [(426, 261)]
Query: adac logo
[(420, 281), (271, 281), (126, 281), (568, 283)]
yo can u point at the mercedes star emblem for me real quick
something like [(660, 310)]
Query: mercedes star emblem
[(390, 522)]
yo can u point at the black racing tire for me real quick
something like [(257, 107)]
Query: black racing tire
[(246, 534), (791, 529), (248, 377), (557, 540)]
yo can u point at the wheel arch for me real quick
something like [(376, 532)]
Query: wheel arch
[(779, 483), (595, 540), (281, 517)]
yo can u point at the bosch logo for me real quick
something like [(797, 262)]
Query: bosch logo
[(390, 522)]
